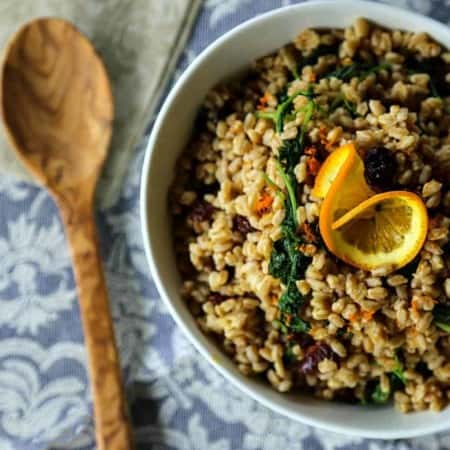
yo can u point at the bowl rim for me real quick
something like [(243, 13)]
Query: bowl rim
[(435, 426)]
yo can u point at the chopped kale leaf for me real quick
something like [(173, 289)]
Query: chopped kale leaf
[(290, 153), (441, 315), (356, 70), (279, 261), (379, 396), (314, 56), (399, 371), (298, 325), (340, 100), (283, 109), (291, 299), (434, 68)]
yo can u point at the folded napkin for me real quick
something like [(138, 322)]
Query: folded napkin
[(139, 41)]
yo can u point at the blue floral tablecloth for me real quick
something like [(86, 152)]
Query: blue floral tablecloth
[(178, 400)]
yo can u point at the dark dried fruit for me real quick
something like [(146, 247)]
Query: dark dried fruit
[(208, 263), (380, 167), (316, 353), (302, 339), (435, 68), (441, 165), (231, 272), (422, 369), (241, 224), (345, 395), (216, 298), (202, 188), (201, 211)]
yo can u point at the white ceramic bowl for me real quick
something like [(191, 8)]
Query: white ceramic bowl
[(227, 56)]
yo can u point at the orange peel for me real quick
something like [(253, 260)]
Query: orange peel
[(364, 229), (388, 229)]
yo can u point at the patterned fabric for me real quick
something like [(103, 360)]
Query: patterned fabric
[(178, 400)]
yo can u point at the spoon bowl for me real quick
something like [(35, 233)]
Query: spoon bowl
[(57, 103), (57, 108)]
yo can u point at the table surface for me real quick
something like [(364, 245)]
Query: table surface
[(179, 401)]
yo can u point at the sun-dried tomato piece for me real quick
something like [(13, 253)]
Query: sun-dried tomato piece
[(309, 233), (264, 203), (313, 165), (311, 151)]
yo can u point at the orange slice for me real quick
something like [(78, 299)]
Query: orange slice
[(387, 229), (330, 168), (342, 183), (344, 157)]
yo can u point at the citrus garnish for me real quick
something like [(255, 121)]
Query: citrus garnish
[(341, 182), (330, 169), (343, 162), (387, 229), (361, 228)]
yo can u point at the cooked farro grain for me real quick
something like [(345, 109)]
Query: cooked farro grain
[(335, 331)]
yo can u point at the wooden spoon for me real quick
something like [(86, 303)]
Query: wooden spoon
[(57, 106)]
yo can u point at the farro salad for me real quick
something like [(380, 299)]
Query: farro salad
[(311, 213)]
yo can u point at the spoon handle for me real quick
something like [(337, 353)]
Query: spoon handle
[(113, 430)]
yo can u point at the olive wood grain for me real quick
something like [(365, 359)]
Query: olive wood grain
[(57, 106)]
